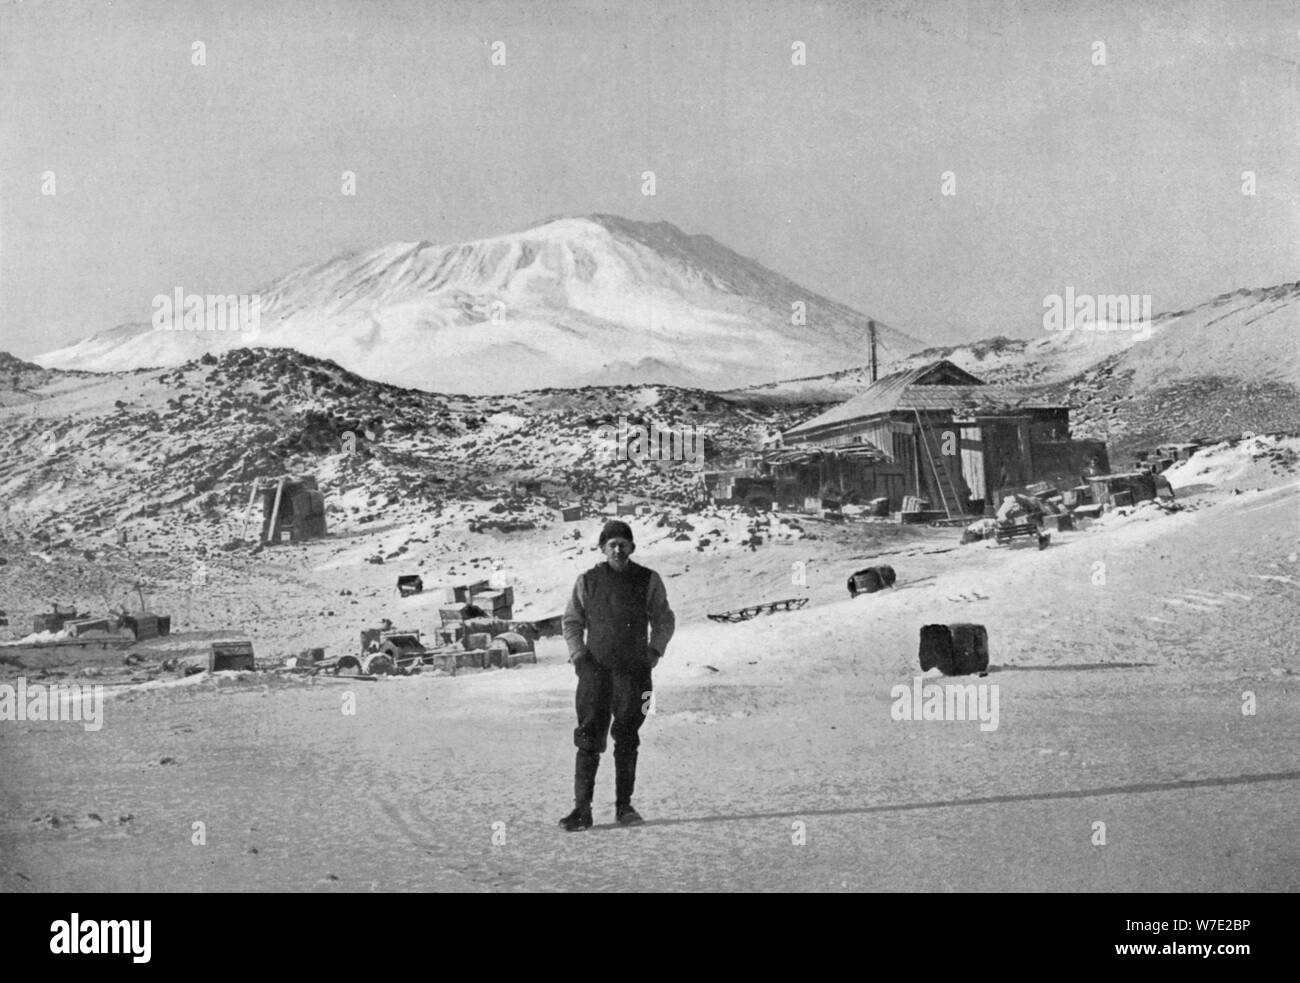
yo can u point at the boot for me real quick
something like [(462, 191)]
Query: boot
[(627, 816), (624, 783), (584, 789), (579, 818)]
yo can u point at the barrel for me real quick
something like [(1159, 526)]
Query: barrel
[(870, 580), (955, 650), (379, 664), (514, 642)]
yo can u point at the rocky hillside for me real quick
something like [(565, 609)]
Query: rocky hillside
[(20, 380), (189, 440)]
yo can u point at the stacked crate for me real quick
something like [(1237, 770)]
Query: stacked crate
[(495, 603), (451, 633), (463, 593), (452, 629), (55, 620)]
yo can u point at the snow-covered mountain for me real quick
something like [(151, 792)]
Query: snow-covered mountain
[(598, 300)]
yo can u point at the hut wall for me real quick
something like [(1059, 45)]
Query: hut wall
[(1065, 462), (972, 462), (944, 433), (1049, 424), (849, 481), (1006, 461), (903, 450)]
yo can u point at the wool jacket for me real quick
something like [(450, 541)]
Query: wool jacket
[(609, 614)]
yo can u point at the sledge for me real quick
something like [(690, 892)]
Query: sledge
[(744, 614), (1007, 531), (65, 646), (344, 667)]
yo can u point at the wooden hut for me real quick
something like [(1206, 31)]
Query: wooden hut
[(293, 509), (946, 437)]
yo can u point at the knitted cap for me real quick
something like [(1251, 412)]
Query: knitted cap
[(614, 529)]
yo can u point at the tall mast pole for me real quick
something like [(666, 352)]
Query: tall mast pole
[(871, 331)]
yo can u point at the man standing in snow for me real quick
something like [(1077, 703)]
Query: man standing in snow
[(614, 604)]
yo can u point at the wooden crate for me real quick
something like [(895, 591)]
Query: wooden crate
[(230, 656), (452, 615), (84, 625), (471, 659), (46, 622), (55, 620), (464, 592), (496, 603), (493, 600), (143, 624), (451, 634)]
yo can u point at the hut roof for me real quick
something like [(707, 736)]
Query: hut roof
[(937, 386)]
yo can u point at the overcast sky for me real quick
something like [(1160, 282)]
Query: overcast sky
[(1117, 178)]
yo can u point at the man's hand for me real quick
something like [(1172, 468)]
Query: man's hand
[(655, 656)]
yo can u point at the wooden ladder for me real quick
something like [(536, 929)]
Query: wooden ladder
[(942, 479)]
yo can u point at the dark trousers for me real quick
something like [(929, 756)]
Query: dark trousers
[(608, 702)]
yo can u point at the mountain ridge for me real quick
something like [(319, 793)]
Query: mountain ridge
[(575, 301)]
